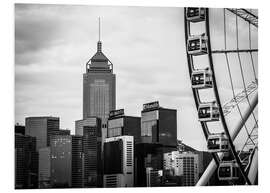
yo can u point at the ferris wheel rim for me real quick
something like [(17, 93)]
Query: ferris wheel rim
[(215, 89)]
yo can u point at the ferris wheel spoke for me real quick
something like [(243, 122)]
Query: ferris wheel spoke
[(246, 15)]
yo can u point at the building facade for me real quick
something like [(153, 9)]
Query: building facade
[(184, 164), (41, 128), (92, 143), (44, 167), (119, 161), (158, 125), (119, 124), (26, 162), (61, 161)]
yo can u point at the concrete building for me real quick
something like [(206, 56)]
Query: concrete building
[(119, 124), (41, 128), (185, 164), (26, 162), (119, 161), (99, 88), (44, 167)]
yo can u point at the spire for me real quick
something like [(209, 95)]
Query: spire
[(99, 44)]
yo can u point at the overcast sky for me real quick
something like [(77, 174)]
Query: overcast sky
[(146, 46)]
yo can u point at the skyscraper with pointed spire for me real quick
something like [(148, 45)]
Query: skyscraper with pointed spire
[(99, 87)]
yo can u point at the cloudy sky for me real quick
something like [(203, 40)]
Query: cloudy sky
[(146, 46)]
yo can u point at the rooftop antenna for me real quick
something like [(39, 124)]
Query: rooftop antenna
[(99, 44), (98, 28)]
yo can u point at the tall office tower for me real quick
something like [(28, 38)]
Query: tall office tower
[(92, 154), (44, 167), (26, 162), (183, 164), (61, 161), (158, 136), (66, 161), (41, 128), (119, 124), (99, 87), (158, 125), (118, 161), (77, 162)]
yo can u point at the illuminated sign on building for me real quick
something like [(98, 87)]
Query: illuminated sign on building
[(115, 113), (152, 105)]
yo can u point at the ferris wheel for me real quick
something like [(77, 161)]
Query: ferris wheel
[(222, 52)]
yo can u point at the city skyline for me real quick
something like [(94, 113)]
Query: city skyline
[(53, 56)]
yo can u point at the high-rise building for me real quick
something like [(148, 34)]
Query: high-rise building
[(41, 128), (119, 124), (77, 162), (79, 124), (26, 162), (44, 167), (119, 161), (158, 136), (61, 158), (185, 164), (99, 88), (158, 125), (92, 154)]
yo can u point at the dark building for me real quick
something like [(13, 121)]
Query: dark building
[(61, 158), (119, 124), (20, 129), (119, 161), (158, 125), (92, 155), (158, 136), (66, 161), (41, 128), (77, 162), (26, 162)]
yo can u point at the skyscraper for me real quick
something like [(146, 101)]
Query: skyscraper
[(92, 154), (119, 124), (41, 128), (61, 161), (26, 162), (119, 161), (99, 87), (158, 125), (44, 167)]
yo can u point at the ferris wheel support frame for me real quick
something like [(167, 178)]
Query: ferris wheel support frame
[(213, 166)]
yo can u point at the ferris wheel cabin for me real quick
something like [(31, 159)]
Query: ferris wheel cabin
[(217, 142), (197, 45), (201, 79), (228, 170), (195, 14), (208, 112)]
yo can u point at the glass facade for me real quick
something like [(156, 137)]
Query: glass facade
[(115, 127), (113, 164), (149, 128), (159, 126)]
